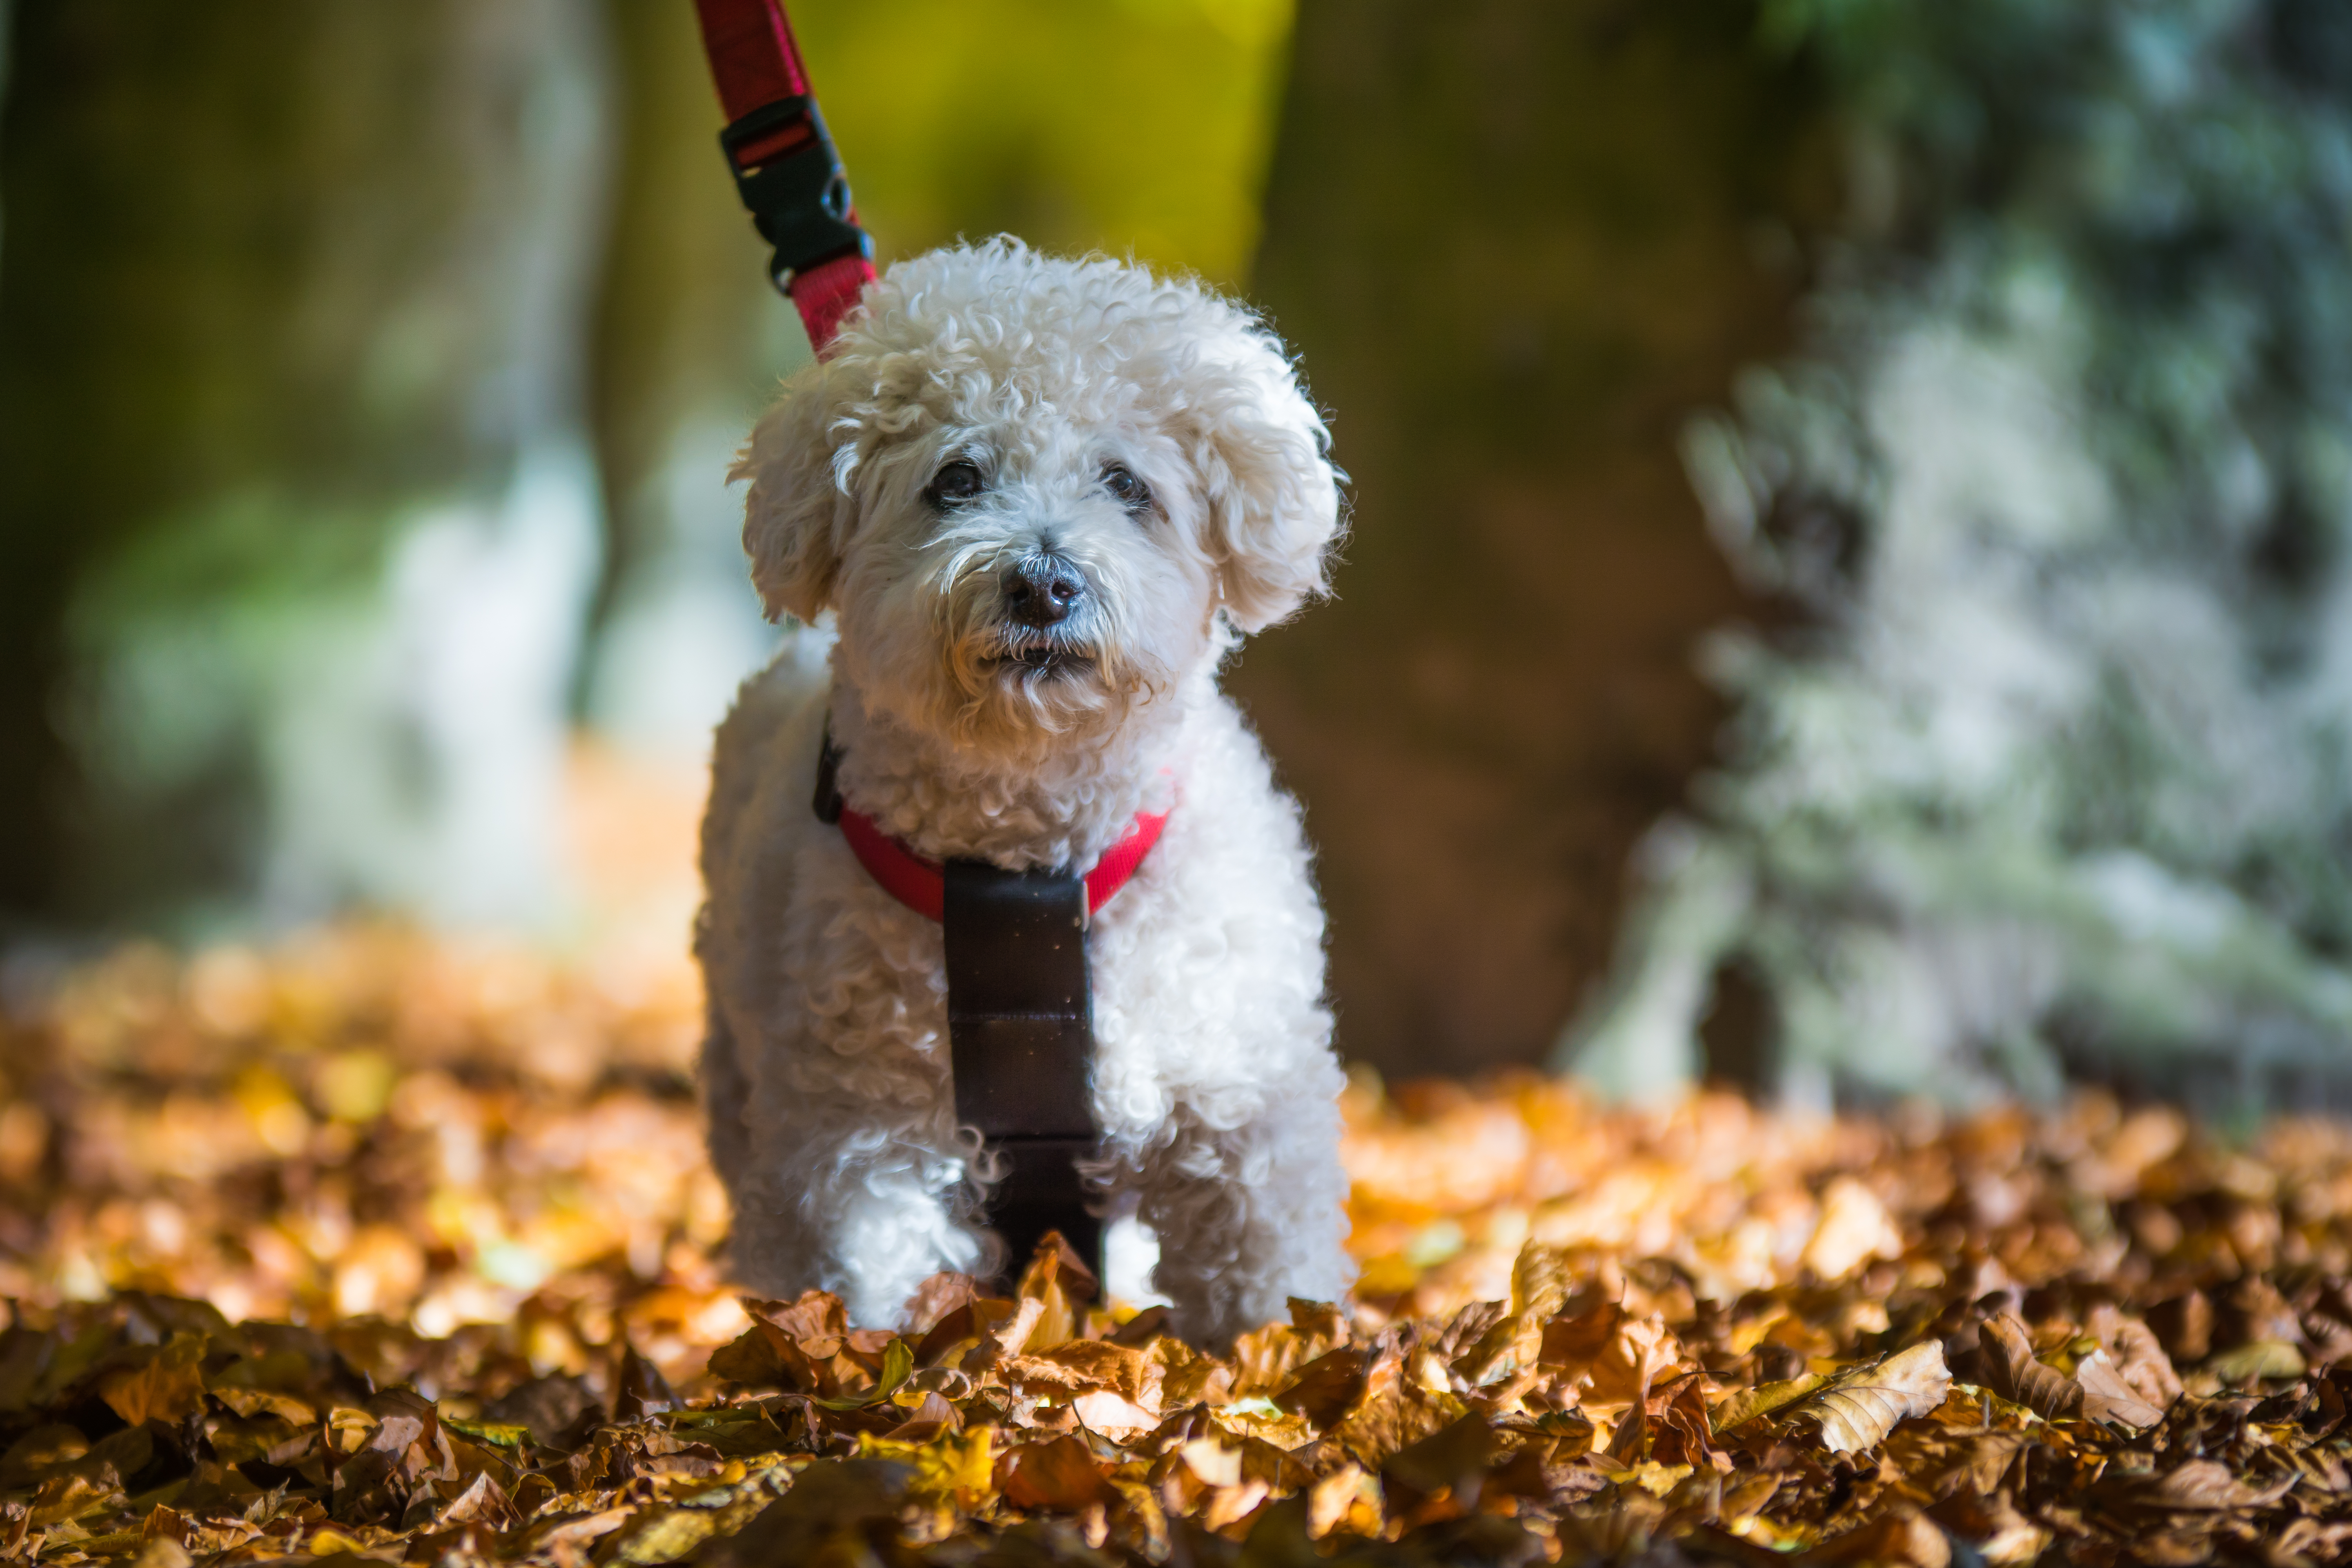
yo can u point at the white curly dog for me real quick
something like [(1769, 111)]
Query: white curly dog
[(1041, 500)]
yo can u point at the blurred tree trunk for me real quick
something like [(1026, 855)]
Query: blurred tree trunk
[(288, 285), (1516, 243)]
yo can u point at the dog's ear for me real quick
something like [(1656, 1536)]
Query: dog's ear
[(1272, 496), (798, 512)]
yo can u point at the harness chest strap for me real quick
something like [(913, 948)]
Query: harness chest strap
[(1020, 1006)]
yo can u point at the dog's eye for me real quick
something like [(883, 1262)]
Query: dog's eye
[(959, 481), (1131, 491)]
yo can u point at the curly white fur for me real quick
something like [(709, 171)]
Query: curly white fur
[(832, 1109)]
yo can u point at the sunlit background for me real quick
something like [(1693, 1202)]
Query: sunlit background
[(1847, 592)]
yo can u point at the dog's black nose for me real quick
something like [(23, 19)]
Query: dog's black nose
[(1043, 590)]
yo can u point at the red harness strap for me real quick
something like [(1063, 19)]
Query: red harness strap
[(784, 165), (920, 884)]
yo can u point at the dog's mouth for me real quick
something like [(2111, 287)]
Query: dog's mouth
[(1034, 656)]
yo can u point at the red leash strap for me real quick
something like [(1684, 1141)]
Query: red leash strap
[(784, 165)]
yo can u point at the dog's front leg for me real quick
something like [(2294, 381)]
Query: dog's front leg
[(866, 1212), (1247, 1217)]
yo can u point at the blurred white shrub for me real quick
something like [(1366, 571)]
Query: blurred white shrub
[(2055, 769)]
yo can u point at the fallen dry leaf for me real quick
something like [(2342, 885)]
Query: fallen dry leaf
[(2011, 1371), (165, 1384), (1748, 1404), (2107, 1398), (1858, 1407)]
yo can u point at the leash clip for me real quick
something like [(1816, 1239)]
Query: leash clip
[(792, 179)]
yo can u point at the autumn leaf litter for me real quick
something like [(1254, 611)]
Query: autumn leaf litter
[(374, 1247)]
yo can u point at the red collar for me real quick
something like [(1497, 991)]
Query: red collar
[(920, 884)]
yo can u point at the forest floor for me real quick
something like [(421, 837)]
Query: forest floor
[(370, 1247)]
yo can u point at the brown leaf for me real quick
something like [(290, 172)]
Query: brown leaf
[(1573, 1343), (1677, 1413), (1056, 1263), (1106, 1412), (167, 1385), (1143, 1328), (2185, 1326), (1858, 1407), (2109, 1400), (71, 1495), (1991, 1524), (812, 1315), (1539, 1277), (34, 1456), (1453, 1459), (1899, 1538), (1748, 1404), (1395, 1412), (2198, 1486), (483, 1503), (1640, 1353), (1188, 1377), (1266, 1359), (2257, 1311), (1975, 1462), (765, 1356), (927, 1418), (252, 1402), (2139, 1358), (161, 1552), (640, 1389), (1059, 1473), (934, 1297), (2012, 1372), (1326, 1386), (961, 1325), (165, 1522), (1046, 1316), (1514, 1342), (1094, 1364), (552, 1408)]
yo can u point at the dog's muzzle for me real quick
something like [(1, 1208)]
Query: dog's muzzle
[(1045, 598)]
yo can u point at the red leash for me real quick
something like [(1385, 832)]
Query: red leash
[(785, 163)]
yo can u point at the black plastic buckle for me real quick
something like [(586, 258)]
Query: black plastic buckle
[(792, 180)]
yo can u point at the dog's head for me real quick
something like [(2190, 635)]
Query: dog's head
[(1030, 488)]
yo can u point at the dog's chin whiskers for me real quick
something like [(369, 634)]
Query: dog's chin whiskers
[(1032, 655)]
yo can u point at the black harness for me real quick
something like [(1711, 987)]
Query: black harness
[(1020, 1036)]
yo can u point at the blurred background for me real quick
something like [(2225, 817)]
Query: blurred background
[(1847, 593)]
